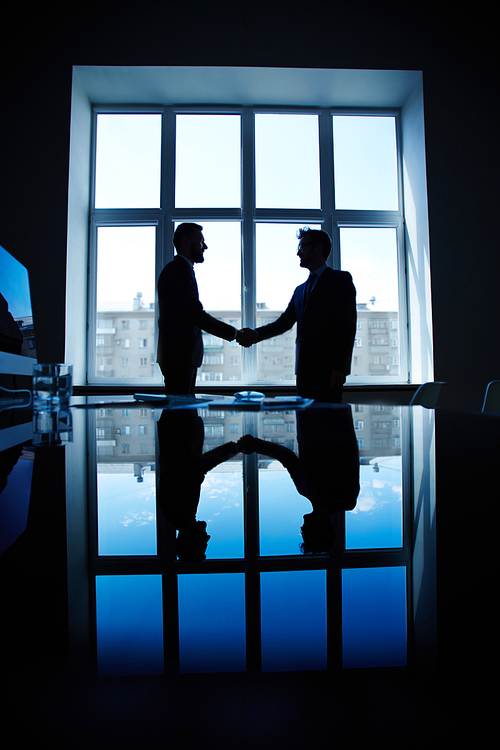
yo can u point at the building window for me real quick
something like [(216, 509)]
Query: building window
[(350, 186), (207, 377), (213, 359)]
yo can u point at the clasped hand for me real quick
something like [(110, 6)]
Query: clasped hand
[(246, 337)]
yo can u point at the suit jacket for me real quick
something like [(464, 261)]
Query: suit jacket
[(182, 317), (326, 324)]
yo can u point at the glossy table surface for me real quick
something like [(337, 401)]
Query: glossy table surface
[(115, 639), (233, 538)]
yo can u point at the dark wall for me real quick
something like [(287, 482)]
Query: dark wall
[(455, 50)]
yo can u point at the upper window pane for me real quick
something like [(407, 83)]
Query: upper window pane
[(212, 632), (129, 620), (207, 161), (128, 161), (365, 160), (287, 161)]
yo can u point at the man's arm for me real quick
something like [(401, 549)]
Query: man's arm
[(285, 321)]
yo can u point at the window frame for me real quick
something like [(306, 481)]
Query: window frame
[(248, 215)]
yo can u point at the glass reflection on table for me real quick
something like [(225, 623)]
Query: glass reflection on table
[(256, 590)]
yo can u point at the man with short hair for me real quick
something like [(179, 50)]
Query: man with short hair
[(324, 308), (181, 314)]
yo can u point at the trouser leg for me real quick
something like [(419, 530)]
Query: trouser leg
[(180, 379)]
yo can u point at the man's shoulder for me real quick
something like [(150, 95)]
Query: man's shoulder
[(174, 267), (331, 276), (334, 276), (336, 273)]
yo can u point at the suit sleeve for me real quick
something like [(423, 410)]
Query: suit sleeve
[(285, 321)]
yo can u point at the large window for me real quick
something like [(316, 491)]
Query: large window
[(251, 177)]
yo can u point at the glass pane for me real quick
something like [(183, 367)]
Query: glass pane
[(126, 491), (129, 624), (125, 329), (208, 161), (377, 519), (281, 507), (219, 286), (212, 635), (221, 505), (374, 617), (287, 161), (128, 151), (278, 273), (370, 255), (365, 160), (293, 616)]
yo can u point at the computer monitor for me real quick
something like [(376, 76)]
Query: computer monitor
[(17, 333)]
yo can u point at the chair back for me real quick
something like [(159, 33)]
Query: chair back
[(427, 395), (491, 403)]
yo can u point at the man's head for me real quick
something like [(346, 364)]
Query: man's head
[(318, 534), (189, 241), (314, 247), (191, 542)]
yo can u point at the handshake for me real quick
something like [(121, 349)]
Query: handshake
[(246, 337)]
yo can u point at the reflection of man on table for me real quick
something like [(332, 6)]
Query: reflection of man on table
[(326, 470), (181, 314), (183, 466), (324, 308)]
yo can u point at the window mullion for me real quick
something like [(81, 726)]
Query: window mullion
[(248, 260), (167, 196), (327, 183)]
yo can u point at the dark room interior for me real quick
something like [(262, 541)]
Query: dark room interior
[(53, 698)]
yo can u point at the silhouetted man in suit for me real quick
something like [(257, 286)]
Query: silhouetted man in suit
[(324, 308), (326, 470), (181, 314), (183, 467)]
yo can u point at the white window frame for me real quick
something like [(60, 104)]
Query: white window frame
[(331, 220)]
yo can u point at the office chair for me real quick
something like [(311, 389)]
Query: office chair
[(427, 395), (491, 402)]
